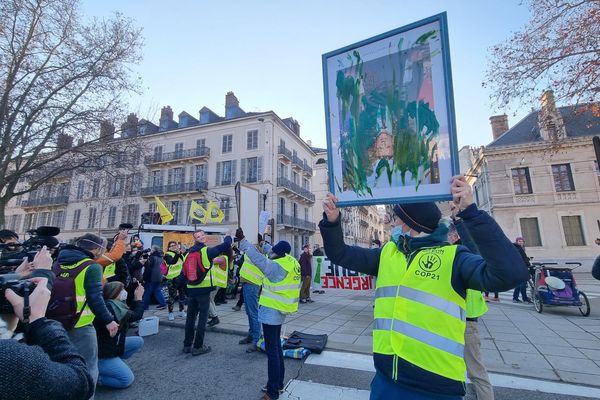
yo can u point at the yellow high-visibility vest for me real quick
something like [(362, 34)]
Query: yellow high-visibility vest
[(207, 281), (284, 295), (251, 272), (86, 316), (476, 306), (109, 270), (419, 317), (174, 269), (219, 277)]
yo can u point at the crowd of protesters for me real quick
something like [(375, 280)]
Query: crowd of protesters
[(75, 324)]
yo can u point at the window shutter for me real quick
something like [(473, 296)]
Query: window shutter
[(233, 172), (243, 170), (259, 166), (218, 180)]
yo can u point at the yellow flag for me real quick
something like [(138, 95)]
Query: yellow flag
[(214, 213), (198, 212), (165, 214)]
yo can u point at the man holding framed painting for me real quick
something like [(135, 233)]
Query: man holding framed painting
[(392, 140)]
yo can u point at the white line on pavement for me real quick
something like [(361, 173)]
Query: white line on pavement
[(301, 390), (362, 362), (514, 382)]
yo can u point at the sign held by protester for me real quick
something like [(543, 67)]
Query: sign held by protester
[(327, 275)]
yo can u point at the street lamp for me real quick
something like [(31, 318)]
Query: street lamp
[(264, 196)]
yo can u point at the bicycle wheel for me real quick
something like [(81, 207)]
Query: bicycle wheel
[(585, 306), (537, 301)]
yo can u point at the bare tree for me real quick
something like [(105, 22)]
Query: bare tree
[(559, 49), (60, 78)]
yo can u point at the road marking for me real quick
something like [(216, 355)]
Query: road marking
[(301, 390), (360, 362), (514, 382)]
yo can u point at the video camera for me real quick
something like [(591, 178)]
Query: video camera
[(22, 287), (38, 238)]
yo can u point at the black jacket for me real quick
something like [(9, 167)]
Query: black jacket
[(109, 347), (47, 367), (121, 273)]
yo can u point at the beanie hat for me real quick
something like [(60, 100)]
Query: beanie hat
[(112, 290), (421, 217), (282, 248)]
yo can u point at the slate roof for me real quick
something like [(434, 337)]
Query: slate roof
[(579, 122)]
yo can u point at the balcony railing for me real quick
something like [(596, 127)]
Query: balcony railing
[(296, 161), (295, 188), (306, 168), (44, 201), (175, 188), (295, 222), (287, 153), (177, 155)]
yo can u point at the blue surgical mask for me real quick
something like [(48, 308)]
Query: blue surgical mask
[(397, 233)]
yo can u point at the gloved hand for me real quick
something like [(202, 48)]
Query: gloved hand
[(239, 234)]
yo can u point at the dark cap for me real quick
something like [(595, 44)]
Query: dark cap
[(421, 217), (282, 248)]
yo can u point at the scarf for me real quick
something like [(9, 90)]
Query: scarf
[(439, 237), (119, 308)]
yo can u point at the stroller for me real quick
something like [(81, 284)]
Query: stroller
[(555, 285)]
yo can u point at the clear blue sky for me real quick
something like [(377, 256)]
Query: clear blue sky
[(269, 53)]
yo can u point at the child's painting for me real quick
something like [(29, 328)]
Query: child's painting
[(390, 117)]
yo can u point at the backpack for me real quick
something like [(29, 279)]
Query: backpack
[(164, 268), (194, 271), (62, 306)]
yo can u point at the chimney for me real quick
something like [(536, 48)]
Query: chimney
[(129, 127), (550, 120), (231, 100), (309, 143), (499, 125), (107, 131), (64, 141), (166, 119), (166, 113)]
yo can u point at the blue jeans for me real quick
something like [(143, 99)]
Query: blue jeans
[(153, 287), (85, 341), (114, 372), (275, 365), (197, 306), (250, 292), (383, 389), (522, 289)]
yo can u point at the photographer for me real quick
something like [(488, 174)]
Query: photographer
[(153, 279), (47, 366), (12, 250)]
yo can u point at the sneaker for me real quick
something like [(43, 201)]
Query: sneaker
[(321, 292), (487, 298), (309, 300), (182, 314), (252, 348), (246, 340), (187, 349), (202, 350), (171, 317), (264, 389), (236, 308), (161, 307), (528, 301), (516, 301), (213, 321), (302, 301)]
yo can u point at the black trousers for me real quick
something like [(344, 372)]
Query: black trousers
[(197, 306)]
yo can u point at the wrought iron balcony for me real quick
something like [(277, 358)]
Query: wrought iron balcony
[(284, 152), (295, 188), (297, 162), (307, 169), (44, 201), (188, 187), (297, 223), (198, 152)]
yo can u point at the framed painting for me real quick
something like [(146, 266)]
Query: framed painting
[(391, 134)]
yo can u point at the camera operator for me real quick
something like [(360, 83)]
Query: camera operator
[(137, 263), (47, 365), (12, 250)]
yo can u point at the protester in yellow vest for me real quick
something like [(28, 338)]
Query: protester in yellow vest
[(280, 296), (88, 292), (476, 307), (420, 297), (252, 277), (199, 257), (174, 261)]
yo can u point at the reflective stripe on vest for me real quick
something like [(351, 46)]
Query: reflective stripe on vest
[(219, 277), (174, 269), (87, 316), (251, 272), (476, 306), (109, 270), (419, 317), (207, 279), (283, 296)]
